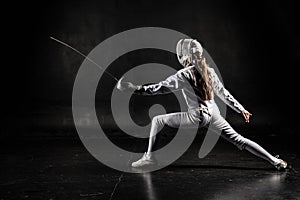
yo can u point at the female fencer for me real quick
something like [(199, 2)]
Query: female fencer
[(206, 85)]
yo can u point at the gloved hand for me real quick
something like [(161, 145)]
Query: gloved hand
[(127, 86)]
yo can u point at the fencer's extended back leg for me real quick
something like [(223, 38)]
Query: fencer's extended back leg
[(221, 126)]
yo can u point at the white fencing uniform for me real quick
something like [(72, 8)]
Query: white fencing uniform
[(204, 112)]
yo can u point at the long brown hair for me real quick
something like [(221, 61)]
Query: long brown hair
[(203, 80)]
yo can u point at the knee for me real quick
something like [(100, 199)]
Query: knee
[(157, 120), (239, 141), (243, 143)]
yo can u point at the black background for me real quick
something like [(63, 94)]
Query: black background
[(254, 44)]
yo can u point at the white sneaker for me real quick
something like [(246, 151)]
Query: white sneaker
[(146, 160), (281, 165)]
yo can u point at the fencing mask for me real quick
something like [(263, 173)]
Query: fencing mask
[(184, 50)]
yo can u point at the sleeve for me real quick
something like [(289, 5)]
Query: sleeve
[(172, 83), (224, 94)]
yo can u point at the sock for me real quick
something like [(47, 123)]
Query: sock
[(257, 150)]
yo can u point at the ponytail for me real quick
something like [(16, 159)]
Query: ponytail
[(202, 76)]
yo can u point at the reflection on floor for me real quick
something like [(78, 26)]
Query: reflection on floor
[(63, 169)]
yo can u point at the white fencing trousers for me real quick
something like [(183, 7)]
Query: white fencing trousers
[(217, 122)]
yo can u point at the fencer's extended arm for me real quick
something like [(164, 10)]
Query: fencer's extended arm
[(224, 94), (172, 83)]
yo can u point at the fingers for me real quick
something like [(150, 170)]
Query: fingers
[(247, 118), (246, 115)]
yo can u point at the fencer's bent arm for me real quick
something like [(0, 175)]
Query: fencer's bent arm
[(224, 94), (180, 80)]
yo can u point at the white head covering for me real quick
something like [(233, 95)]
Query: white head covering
[(185, 48)]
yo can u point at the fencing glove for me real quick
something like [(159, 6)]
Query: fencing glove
[(127, 86)]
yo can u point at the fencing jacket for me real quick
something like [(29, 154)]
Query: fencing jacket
[(184, 80)]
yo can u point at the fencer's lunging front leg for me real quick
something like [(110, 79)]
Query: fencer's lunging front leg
[(155, 127), (174, 120), (158, 123)]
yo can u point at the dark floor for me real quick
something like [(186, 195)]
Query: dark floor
[(63, 169)]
